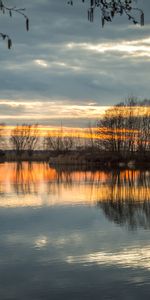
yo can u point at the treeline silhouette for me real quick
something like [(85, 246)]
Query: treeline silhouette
[(123, 132), (126, 127)]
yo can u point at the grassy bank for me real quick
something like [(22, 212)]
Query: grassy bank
[(90, 157), (99, 158), (12, 156)]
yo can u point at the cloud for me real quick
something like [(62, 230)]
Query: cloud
[(63, 56), (52, 113)]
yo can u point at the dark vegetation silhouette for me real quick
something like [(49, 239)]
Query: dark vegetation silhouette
[(121, 135), (2, 141), (126, 127), (24, 138), (108, 9), (60, 142)]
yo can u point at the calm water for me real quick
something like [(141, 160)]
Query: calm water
[(73, 235)]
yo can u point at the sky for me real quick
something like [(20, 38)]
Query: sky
[(67, 70)]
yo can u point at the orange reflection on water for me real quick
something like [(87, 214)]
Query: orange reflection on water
[(39, 185), (25, 172)]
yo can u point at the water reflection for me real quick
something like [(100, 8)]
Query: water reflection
[(127, 258), (129, 213), (124, 196), (128, 202), (57, 241)]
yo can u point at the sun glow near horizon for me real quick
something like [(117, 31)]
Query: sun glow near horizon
[(88, 131)]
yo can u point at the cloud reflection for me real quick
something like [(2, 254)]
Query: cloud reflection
[(41, 242), (127, 258)]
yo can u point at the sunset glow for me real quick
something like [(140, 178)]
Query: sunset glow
[(85, 132), (74, 149)]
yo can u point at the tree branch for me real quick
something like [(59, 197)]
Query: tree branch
[(110, 8), (10, 10)]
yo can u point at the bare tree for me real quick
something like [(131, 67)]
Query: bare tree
[(143, 141), (110, 130), (125, 128), (24, 137), (89, 139), (2, 138), (59, 141)]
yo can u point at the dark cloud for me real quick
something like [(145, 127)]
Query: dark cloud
[(65, 58)]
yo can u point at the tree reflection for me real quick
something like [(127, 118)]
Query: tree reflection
[(129, 201), (24, 179), (124, 195)]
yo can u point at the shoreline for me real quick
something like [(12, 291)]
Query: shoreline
[(81, 159)]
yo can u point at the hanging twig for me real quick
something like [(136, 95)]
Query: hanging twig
[(11, 10), (110, 8)]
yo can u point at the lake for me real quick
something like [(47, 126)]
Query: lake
[(74, 235)]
